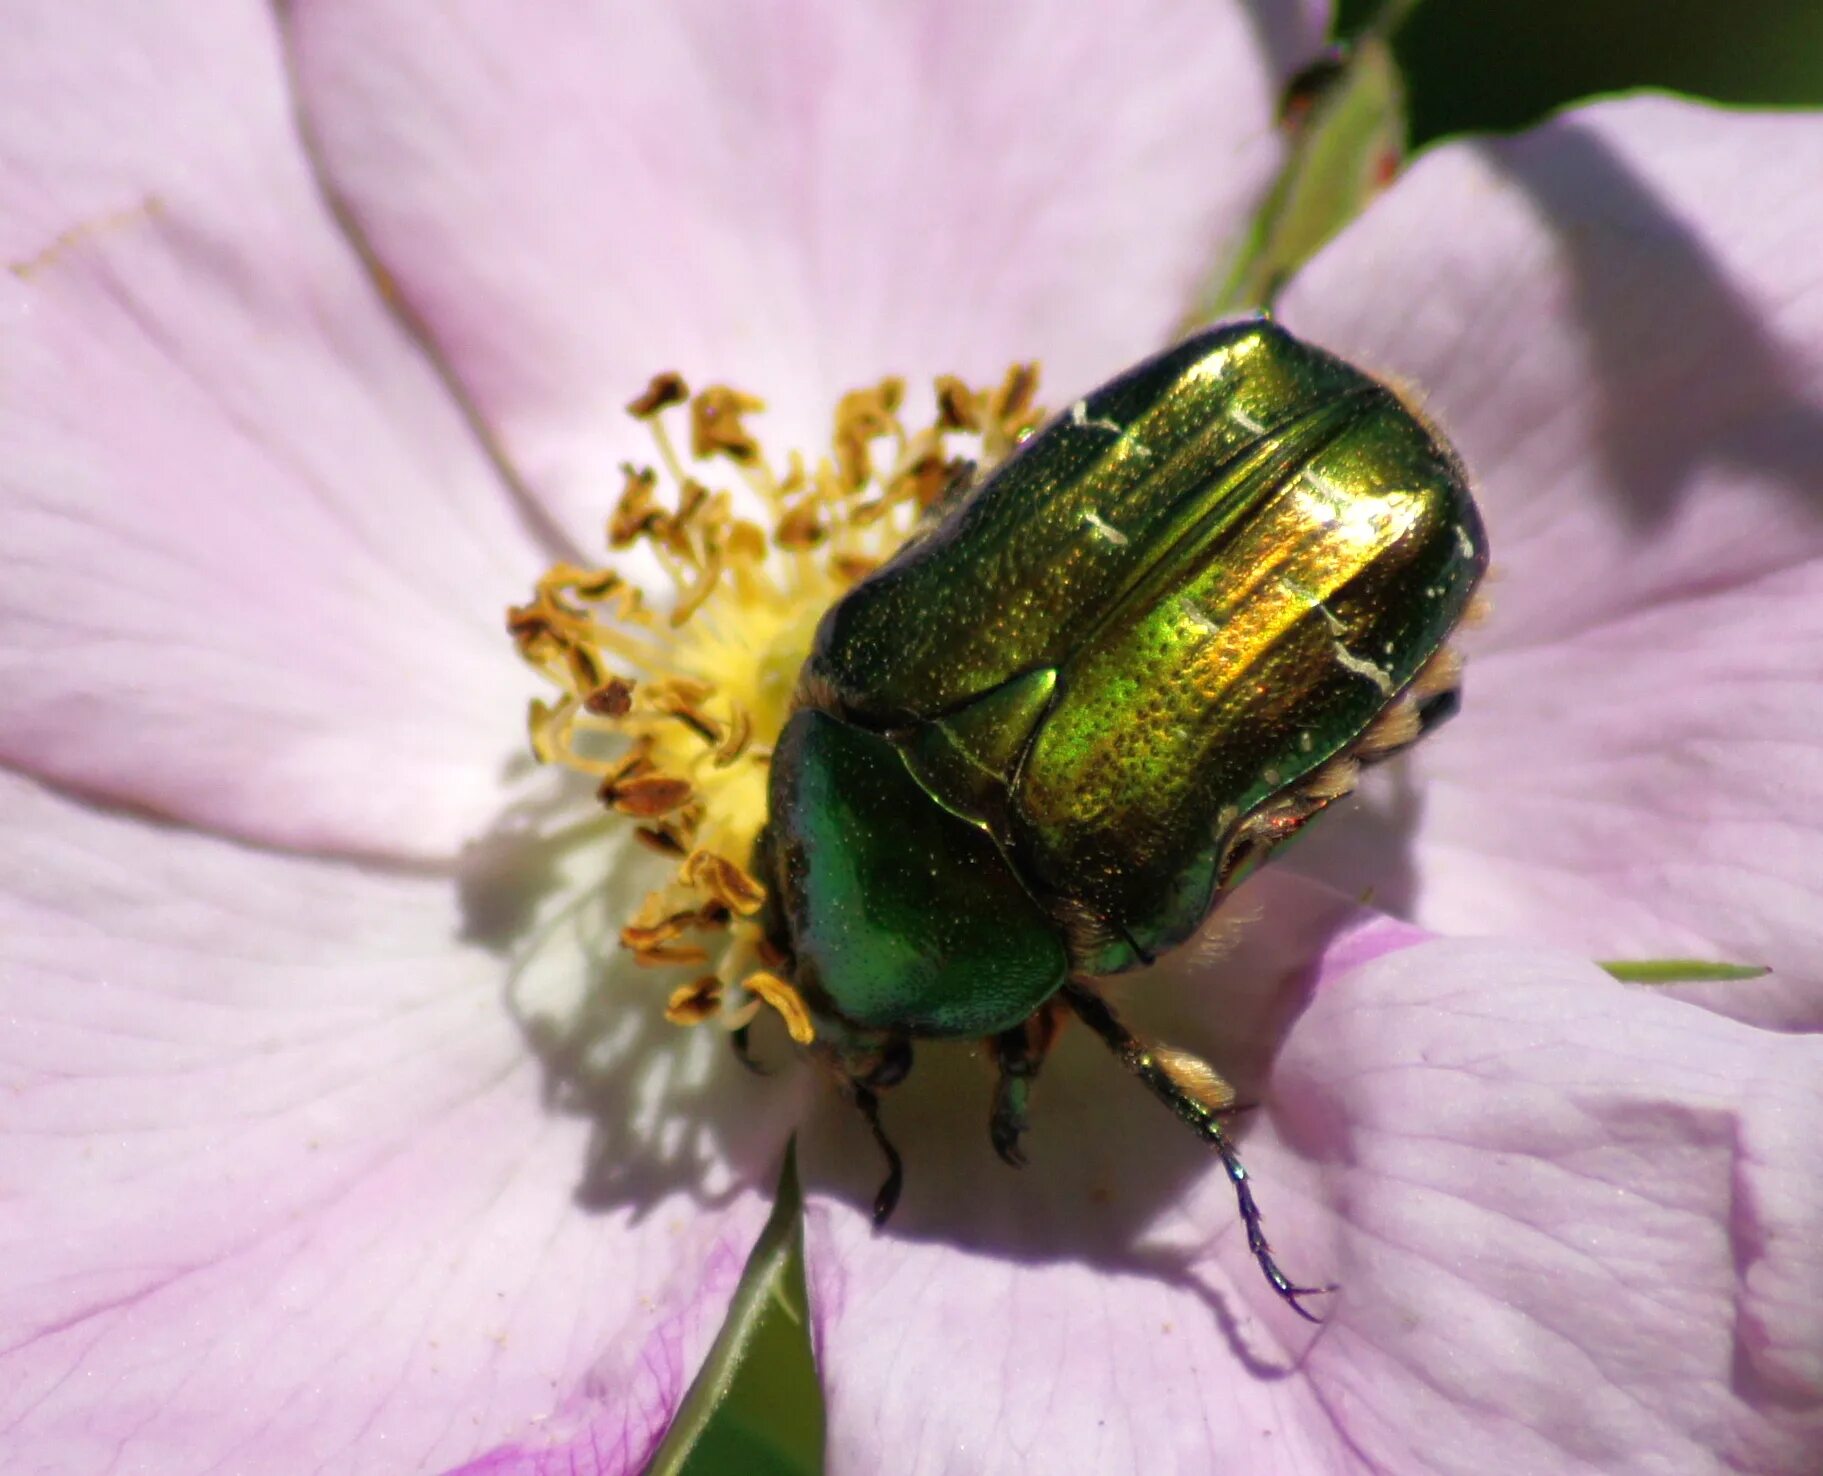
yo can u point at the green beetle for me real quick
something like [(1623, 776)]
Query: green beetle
[(1046, 738)]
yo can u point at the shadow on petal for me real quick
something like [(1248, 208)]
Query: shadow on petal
[(669, 1109), (1112, 1182), (1756, 416)]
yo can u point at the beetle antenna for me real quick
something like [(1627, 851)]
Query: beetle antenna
[(1144, 1063)]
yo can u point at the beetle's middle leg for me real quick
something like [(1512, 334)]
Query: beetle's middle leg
[(1018, 1053), (1187, 1095)]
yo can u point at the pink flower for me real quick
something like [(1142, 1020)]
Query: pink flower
[(295, 1172)]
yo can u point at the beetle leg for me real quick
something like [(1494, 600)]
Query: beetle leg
[(887, 1069), (887, 1198), (1153, 1068), (1018, 1053)]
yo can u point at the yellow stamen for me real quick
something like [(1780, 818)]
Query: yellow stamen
[(673, 712), (787, 1001)]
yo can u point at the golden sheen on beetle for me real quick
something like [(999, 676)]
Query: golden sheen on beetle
[(1094, 689)]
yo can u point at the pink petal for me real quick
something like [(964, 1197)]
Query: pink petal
[(1619, 320), (1573, 1222), (255, 560), (795, 198), (285, 1189), (1578, 1222)]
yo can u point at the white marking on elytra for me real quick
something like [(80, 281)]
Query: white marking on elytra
[(1307, 594), (1362, 667), (1104, 528), (1464, 544), (1199, 617), (1079, 415), (1245, 421), (1305, 742)]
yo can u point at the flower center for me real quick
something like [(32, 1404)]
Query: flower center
[(672, 703)]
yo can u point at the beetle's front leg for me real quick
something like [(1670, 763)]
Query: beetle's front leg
[(886, 1069), (1018, 1053)]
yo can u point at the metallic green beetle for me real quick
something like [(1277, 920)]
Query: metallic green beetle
[(1044, 740)]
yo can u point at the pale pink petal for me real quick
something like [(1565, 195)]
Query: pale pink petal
[(283, 1187), (255, 561), (1578, 1223), (1573, 1222), (1619, 320), (798, 198)]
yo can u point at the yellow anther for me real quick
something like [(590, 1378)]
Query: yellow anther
[(673, 705), (787, 1001)]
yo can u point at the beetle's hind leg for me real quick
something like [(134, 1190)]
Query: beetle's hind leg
[(1188, 1095), (1018, 1053), (888, 1069)]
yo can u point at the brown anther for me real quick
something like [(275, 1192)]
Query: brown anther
[(853, 568), (801, 527), (658, 838), (594, 585), (665, 390), (695, 1002), (862, 416), (670, 955), (637, 511), (715, 425), (927, 478), (644, 937), (648, 796), (587, 674), (735, 740), (1010, 406), (787, 1001), (635, 761), (728, 883), (680, 706), (956, 405), (613, 698)]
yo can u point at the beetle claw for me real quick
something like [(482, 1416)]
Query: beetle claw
[(1006, 1143), (886, 1200)]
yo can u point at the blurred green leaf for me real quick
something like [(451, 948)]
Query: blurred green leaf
[(1680, 970), (1473, 65), (1347, 126), (756, 1408)]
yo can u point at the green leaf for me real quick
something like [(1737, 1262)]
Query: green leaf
[(1679, 970), (756, 1407), (1346, 143)]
